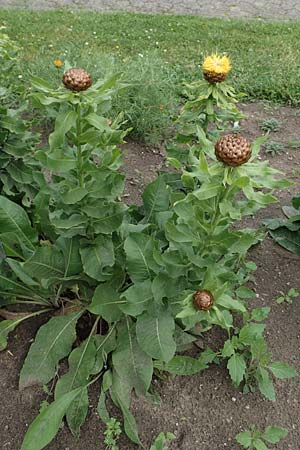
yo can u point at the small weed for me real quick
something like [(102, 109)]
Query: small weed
[(273, 148), (288, 298), (270, 125), (254, 439), (112, 433), (294, 143)]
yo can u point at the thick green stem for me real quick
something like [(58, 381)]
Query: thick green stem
[(79, 150)]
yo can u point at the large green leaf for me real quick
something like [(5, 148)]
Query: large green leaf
[(139, 256), (155, 198), (120, 393), (45, 426), (13, 219), (105, 303), (6, 326), (155, 335), (98, 256), (136, 298), (130, 362), (46, 262), (108, 216), (52, 343), (72, 261), (288, 239), (81, 364)]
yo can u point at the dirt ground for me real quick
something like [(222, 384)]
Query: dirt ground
[(204, 411)]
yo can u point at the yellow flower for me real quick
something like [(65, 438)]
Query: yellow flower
[(215, 68), (58, 63)]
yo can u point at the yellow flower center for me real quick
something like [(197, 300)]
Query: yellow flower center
[(216, 64)]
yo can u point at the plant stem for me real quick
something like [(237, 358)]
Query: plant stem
[(79, 151)]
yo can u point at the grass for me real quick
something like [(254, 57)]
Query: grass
[(157, 52)]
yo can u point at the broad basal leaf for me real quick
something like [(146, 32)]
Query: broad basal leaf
[(136, 298), (155, 198), (108, 216), (98, 257), (45, 426), (120, 393), (52, 343), (46, 262), (72, 259), (130, 362), (139, 256), (105, 303), (81, 364), (13, 219), (155, 335)]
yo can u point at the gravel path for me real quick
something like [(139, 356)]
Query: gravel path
[(271, 9)]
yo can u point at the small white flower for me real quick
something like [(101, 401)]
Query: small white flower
[(141, 55), (20, 76), (86, 43)]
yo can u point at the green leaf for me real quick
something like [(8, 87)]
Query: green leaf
[(6, 326), (46, 262), (70, 250), (244, 292), (274, 434), (155, 335), (228, 349), (237, 367), (97, 256), (13, 219), (208, 190), (120, 393), (160, 441), (250, 332), (259, 445), (63, 123), (260, 314), (81, 363), (155, 198), (186, 365), (244, 438), (130, 362), (229, 303), (108, 216), (288, 239), (46, 425), (265, 384), (139, 256), (282, 370), (52, 343), (136, 298), (106, 302)]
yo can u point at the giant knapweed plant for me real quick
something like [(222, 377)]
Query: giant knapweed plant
[(144, 281)]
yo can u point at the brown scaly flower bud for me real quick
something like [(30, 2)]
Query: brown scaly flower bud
[(77, 79), (233, 150), (203, 300)]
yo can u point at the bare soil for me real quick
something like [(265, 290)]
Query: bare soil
[(204, 411)]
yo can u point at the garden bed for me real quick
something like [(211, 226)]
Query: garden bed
[(204, 411)]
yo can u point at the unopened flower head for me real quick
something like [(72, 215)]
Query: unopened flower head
[(58, 63), (215, 68)]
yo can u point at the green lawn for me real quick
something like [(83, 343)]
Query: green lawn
[(265, 55)]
